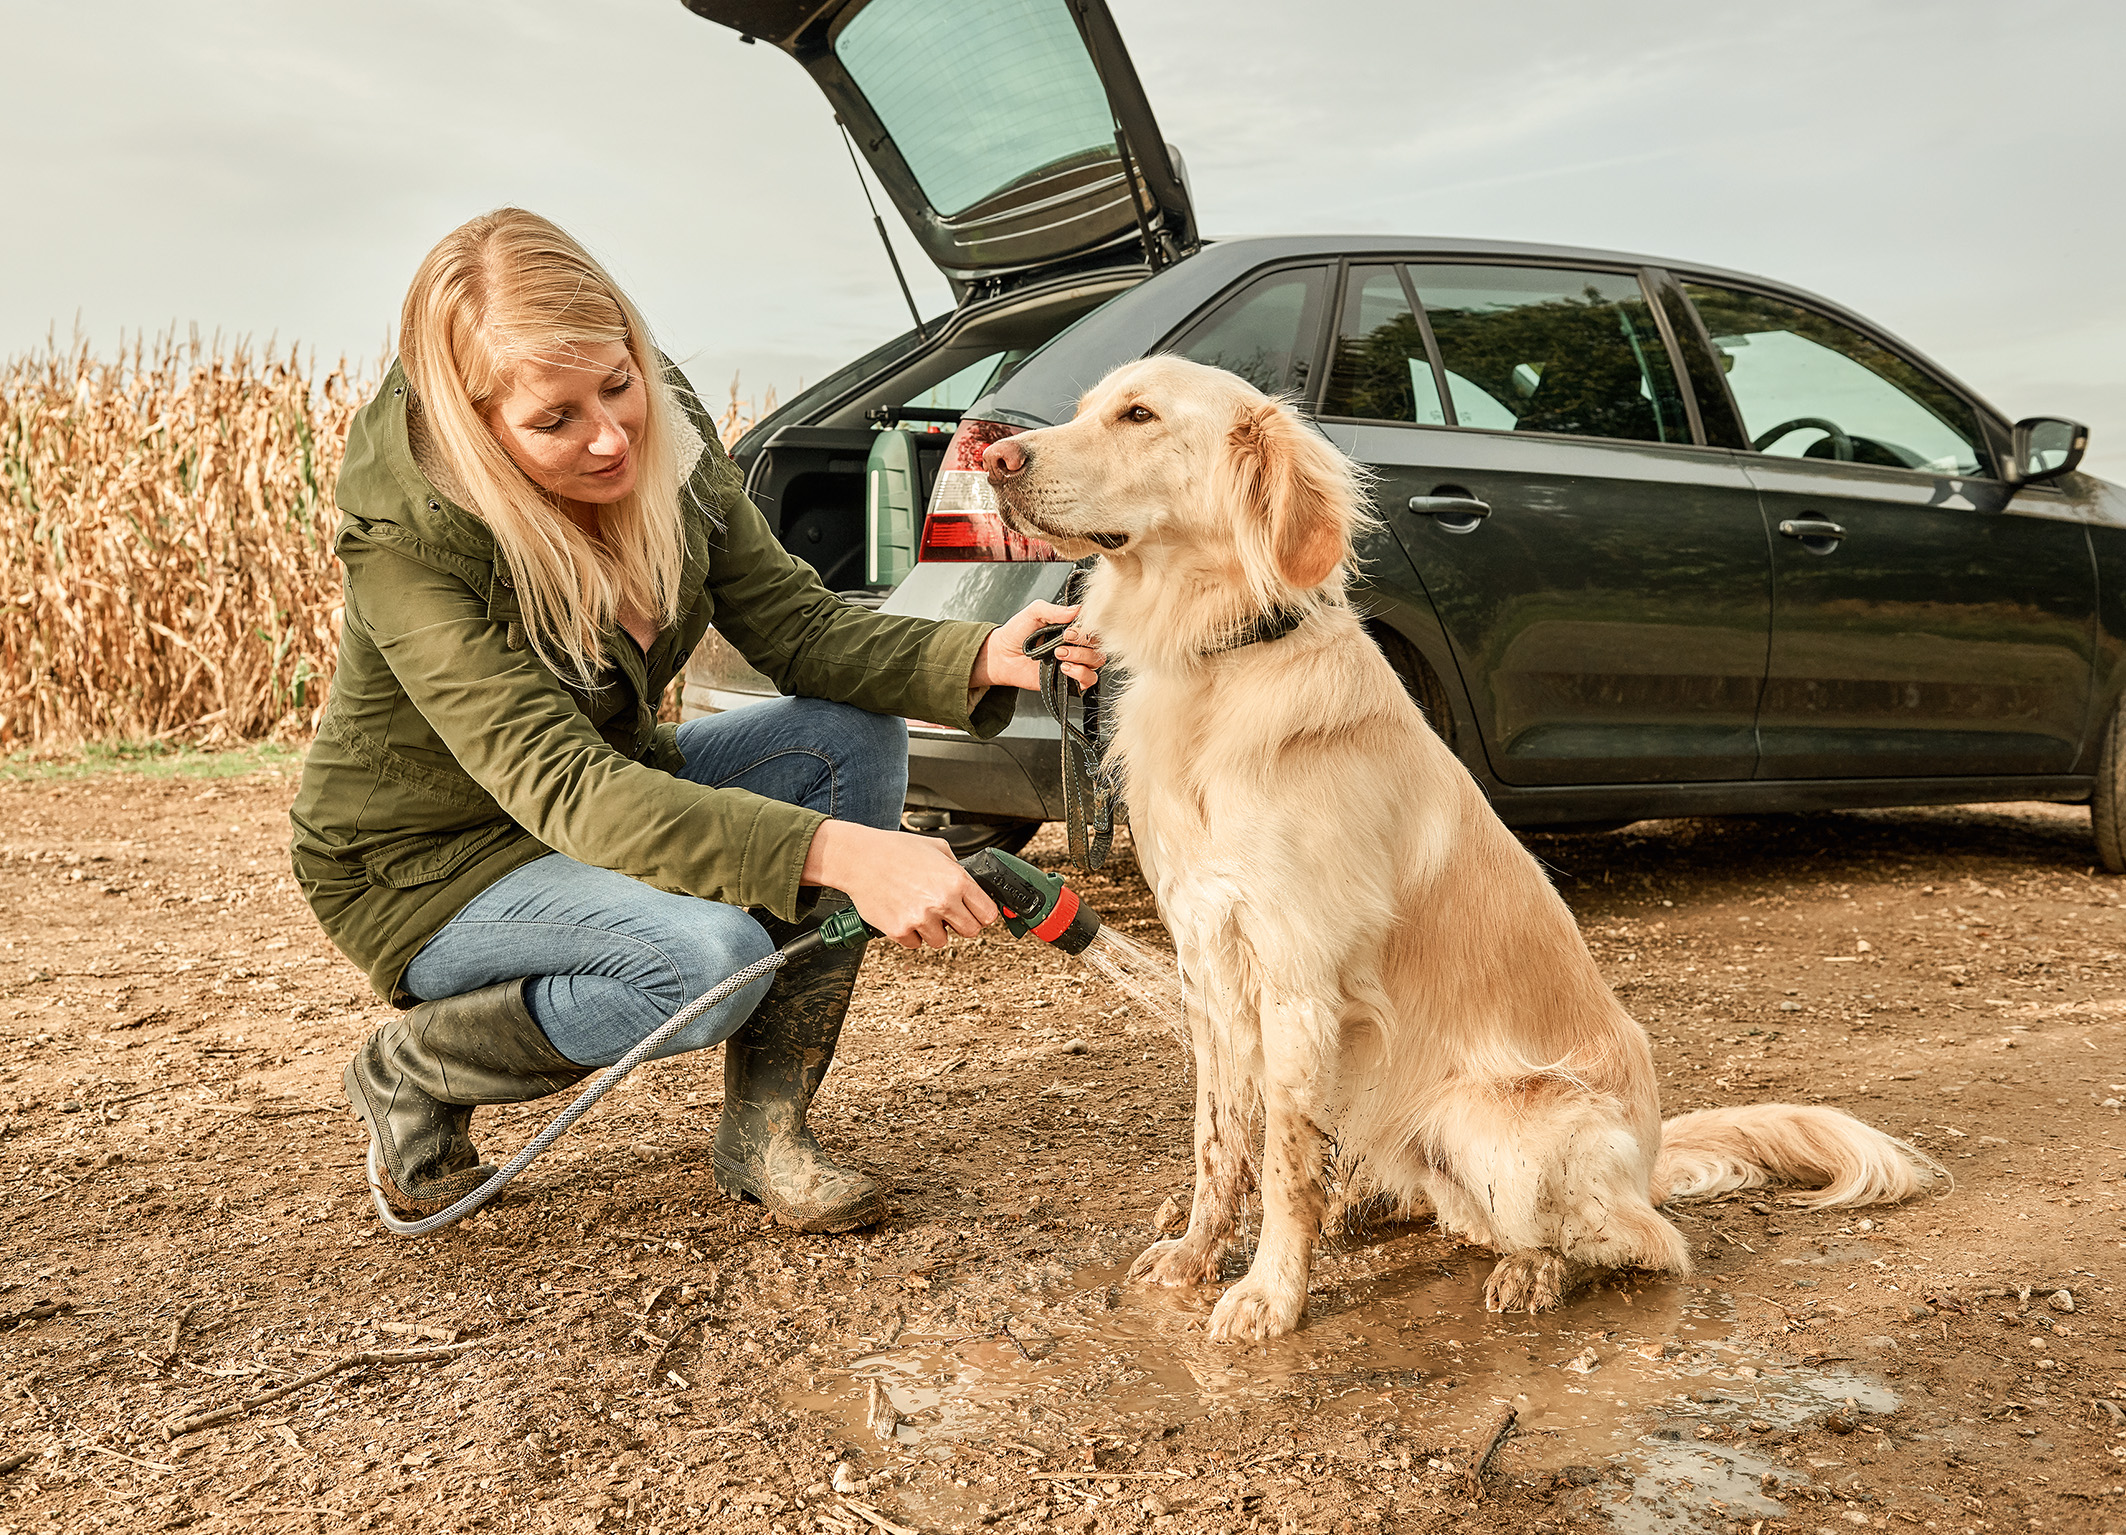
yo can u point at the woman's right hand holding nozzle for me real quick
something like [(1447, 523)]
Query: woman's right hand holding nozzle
[(910, 888)]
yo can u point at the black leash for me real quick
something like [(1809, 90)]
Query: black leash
[(1088, 793)]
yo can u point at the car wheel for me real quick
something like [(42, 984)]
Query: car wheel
[(966, 837), (1419, 680), (2107, 803)]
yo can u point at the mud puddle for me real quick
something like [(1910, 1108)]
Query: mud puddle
[(1638, 1385)]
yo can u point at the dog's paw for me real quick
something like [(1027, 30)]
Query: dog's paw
[(1174, 1263), (1533, 1281), (1255, 1310)]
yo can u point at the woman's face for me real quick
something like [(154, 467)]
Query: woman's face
[(572, 425)]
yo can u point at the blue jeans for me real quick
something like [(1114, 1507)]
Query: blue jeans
[(607, 958)]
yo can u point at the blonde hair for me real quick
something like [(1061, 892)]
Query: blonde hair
[(497, 291)]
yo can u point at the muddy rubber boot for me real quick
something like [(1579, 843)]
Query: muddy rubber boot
[(415, 1080), (771, 1068)]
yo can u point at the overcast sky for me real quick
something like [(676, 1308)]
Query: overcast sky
[(1947, 167)]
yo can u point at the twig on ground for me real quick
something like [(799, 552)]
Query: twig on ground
[(145, 1092), (351, 1362), (685, 1327), (1004, 1327), (104, 1449), (177, 1327), (1107, 1476), (1736, 1240), (870, 1515), (42, 1311), (1501, 1426), (16, 1461)]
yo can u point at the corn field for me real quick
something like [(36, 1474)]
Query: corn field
[(166, 522)]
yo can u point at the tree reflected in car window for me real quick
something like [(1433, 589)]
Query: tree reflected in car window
[(1266, 332), (1535, 349), (1809, 387), (1380, 371)]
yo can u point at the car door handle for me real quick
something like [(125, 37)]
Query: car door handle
[(1811, 527), (1449, 506)]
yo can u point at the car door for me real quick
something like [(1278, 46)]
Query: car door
[(1926, 620), (1601, 576), (1014, 138)]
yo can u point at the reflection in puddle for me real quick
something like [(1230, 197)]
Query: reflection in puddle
[(1644, 1375)]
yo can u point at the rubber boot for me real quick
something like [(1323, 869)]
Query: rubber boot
[(415, 1081), (772, 1067)]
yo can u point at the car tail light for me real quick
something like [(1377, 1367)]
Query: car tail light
[(963, 521)]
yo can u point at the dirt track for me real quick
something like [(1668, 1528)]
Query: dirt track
[(187, 1229)]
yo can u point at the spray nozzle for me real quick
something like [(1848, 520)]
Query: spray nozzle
[(1033, 902)]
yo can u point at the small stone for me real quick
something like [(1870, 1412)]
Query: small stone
[(1746, 1371), (1654, 1350), (880, 1415), (1172, 1217), (2060, 1300), (1790, 1007), (1759, 1426), (1843, 1421), (1864, 1225), (845, 1478), (1855, 1516), (1586, 1362), (69, 1106)]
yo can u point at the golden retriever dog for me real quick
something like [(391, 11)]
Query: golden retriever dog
[(1376, 966)]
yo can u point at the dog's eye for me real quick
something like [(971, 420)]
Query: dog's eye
[(1139, 414)]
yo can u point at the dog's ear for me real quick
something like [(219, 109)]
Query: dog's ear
[(1297, 488)]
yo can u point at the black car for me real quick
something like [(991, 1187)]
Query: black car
[(1658, 539)]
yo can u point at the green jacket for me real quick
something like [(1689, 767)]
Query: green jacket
[(449, 755)]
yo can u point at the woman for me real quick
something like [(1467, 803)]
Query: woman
[(539, 525)]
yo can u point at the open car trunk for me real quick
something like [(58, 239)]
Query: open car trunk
[(1012, 135)]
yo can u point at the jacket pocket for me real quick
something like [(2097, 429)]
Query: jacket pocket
[(415, 861)]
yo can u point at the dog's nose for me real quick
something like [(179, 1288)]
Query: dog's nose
[(1003, 459)]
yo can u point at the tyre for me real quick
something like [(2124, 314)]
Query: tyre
[(2107, 802), (1418, 679), (965, 836)]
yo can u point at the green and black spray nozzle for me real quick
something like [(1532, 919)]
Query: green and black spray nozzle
[(1032, 901)]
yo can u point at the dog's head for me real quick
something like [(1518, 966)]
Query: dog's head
[(1169, 458)]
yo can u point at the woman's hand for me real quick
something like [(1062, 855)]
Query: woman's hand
[(1003, 660), (910, 888)]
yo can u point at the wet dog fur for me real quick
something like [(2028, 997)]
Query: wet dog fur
[(1382, 980)]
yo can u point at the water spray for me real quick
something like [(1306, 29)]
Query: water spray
[(1032, 902)]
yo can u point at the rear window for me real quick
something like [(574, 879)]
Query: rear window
[(977, 97)]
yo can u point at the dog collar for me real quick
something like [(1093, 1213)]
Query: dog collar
[(1260, 630)]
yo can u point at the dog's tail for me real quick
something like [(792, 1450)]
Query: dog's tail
[(1843, 1161)]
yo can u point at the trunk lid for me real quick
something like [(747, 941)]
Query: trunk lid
[(998, 127)]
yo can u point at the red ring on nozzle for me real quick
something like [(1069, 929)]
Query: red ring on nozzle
[(1058, 920)]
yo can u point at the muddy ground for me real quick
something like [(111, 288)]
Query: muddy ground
[(623, 1349)]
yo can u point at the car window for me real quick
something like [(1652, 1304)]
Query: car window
[(1380, 370), (1809, 387), (1266, 332), (964, 386), (1537, 349), (977, 97)]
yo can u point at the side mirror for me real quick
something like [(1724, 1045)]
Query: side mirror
[(2046, 447)]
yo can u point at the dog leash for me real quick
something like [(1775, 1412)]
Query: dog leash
[(1088, 793)]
